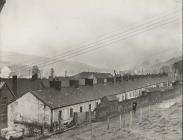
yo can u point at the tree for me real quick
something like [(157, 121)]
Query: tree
[(165, 69), (52, 73), (35, 72)]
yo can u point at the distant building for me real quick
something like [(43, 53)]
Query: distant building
[(5, 72), (90, 78), (177, 71), (127, 72), (66, 81)]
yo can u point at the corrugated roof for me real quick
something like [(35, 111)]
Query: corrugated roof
[(69, 96)]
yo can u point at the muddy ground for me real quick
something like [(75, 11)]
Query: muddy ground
[(158, 122)]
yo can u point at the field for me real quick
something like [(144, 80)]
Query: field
[(158, 122)]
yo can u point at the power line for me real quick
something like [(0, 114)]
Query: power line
[(98, 41), (167, 13), (93, 49), (79, 54), (104, 37), (85, 49)]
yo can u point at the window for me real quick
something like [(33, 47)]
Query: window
[(81, 109), (71, 112), (60, 115), (89, 106)]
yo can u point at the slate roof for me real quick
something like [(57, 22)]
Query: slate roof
[(26, 85), (70, 96), (84, 75)]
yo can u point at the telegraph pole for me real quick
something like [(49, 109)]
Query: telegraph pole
[(90, 121), (108, 121), (44, 120), (66, 73), (120, 119)]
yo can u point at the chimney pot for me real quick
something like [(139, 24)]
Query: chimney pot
[(14, 84)]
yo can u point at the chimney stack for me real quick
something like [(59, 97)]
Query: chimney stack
[(35, 76), (56, 84), (14, 84), (74, 83)]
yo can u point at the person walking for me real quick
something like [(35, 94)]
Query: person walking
[(134, 106)]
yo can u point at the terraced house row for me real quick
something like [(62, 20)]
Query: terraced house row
[(51, 102)]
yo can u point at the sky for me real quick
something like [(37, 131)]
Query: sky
[(50, 27)]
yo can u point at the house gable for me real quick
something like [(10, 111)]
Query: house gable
[(28, 108), (5, 92)]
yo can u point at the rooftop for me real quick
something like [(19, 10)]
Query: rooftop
[(84, 75), (70, 96), (25, 85)]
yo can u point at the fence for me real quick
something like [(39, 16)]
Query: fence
[(126, 118), (125, 108)]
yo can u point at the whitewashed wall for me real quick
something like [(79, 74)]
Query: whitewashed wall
[(76, 108), (130, 94), (28, 108)]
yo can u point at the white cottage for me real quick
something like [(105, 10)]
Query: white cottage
[(28, 108)]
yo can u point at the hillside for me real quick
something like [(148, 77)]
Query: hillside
[(155, 66), (22, 63)]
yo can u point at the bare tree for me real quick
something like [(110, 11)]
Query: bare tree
[(52, 73), (35, 72)]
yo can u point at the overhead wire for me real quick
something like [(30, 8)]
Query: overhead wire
[(105, 37), (88, 48), (92, 48)]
